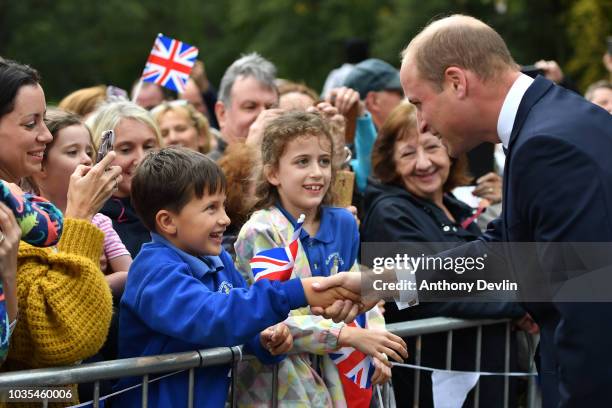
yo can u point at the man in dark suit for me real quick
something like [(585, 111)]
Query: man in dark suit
[(558, 179), (460, 75)]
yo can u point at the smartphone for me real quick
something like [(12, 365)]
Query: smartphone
[(107, 144), (609, 44)]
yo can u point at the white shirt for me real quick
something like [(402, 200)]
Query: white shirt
[(507, 115)]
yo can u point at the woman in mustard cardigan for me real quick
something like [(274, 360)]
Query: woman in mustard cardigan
[(64, 302)]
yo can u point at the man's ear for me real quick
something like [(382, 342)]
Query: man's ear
[(164, 222), (371, 101), (456, 78), (220, 113), (271, 175)]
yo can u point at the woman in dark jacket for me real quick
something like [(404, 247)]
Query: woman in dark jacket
[(410, 201)]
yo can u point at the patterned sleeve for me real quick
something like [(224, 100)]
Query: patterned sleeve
[(311, 333), (113, 246), (40, 221)]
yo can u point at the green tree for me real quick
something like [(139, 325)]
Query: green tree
[(76, 44), (588, 24)]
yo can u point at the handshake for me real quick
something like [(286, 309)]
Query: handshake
[(337, 297)]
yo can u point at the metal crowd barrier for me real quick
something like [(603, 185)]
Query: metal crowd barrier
[(145, 366)]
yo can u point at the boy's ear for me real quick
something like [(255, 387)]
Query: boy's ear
[(271, 175), (164, 221)]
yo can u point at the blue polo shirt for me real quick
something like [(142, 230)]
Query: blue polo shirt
[(336, 242)]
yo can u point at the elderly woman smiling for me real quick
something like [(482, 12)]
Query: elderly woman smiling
[(64, 302), (410, 203)]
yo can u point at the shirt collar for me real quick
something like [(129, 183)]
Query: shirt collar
[(324, 234), (199, 265), (507, 115)]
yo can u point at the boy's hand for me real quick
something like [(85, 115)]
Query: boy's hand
[(374, 342), (277, 339), (334, 301), (382, 373)]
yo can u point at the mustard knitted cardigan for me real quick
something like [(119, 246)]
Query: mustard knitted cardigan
[(65, 305)]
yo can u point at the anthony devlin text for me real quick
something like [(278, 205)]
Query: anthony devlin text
[(444, 285)]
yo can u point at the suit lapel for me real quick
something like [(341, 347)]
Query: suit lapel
[(537, 89)]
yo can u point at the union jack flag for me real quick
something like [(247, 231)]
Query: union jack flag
[(170, 63), (277, 263), (356, 370), (352, 363)]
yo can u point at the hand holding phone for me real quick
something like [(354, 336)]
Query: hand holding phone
[(107, 144)]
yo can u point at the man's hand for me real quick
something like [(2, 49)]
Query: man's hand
[(350, 107), (332, 300), (527, 324), (489, 187), (339, 311), (346, 100), (277, 339), (551, 69), (348, 280), (256, 131)]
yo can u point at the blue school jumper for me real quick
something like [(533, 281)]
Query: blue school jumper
[(175, 302)]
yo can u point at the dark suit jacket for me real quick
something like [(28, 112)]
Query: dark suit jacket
[(558, 188)]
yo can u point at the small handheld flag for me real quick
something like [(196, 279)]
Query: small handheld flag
[(170, 63), (356, 370), (277, 263)]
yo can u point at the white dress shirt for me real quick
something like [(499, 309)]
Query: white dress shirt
[(507, 115)]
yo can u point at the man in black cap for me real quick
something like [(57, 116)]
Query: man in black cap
[(379, 87)]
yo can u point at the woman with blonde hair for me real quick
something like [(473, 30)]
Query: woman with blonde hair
[(181, 124), (135, 134), (84, 101)]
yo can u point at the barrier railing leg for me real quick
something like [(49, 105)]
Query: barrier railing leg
[(449, 349), (532, 387), (234, 384), (477, 365), (190, 390), (417, 373), (145, 390), (275, 386), (507, 367), (96, 395)]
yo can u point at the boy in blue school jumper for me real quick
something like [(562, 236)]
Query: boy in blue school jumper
[(183, 292)]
